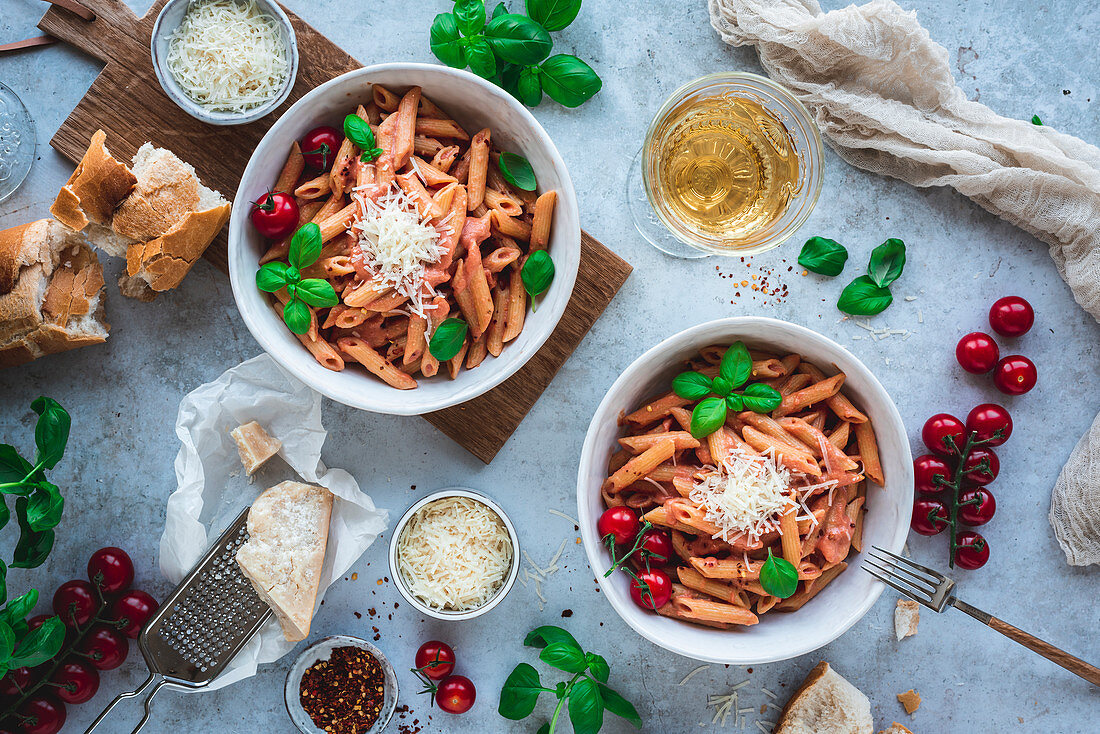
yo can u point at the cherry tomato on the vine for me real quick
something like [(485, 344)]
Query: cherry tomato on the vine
[(15, 683), (986, 420), (977, 506), (939, 427), (435, 659), (651, 589), (972, 466), (41, 715), (977, 353), (275, 215), (1015, 375), (105, 648), (620, 523), (1011, 316), (655, 549), (973, 551), (75, 602), (76, 681), (925, 470), (319, 147), (111, 570), (929, 517), (135, 607), (456, 694)]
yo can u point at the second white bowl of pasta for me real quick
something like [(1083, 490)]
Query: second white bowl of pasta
[(828, 451), (395, 259)]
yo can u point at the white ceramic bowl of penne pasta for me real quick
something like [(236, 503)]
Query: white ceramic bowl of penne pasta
[(428, 227), (815, 478)]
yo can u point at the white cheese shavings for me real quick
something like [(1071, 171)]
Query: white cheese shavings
[(228, 55), (746, 494), (692, 674), (454, 554)]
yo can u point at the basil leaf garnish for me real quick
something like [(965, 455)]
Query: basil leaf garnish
[(778, 577), (736, 364), (707, 417), (761, 398), (862, 297), (517, 170), (691, 385), (553, 15), (305, 245), (568, 80), (318, 293), (446, 41), (296, 316), (271, 276), (447, 339), (887, 262), (537, 272), (823, 256), (518, 39)]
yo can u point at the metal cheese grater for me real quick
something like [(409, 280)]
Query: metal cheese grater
[(205, 622)]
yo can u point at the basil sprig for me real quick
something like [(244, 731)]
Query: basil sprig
[(1035, 120), (447, 340), (537, 273), (517, 171), (823, 256), (305, 249), (513, 49), (734, 370), (358, 131), (778, 576), (870, 294), (586, 696)]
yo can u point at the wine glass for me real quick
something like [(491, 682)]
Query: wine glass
[(17, 142)]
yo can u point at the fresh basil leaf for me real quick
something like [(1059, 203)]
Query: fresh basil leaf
[(358, 131), (305, 245), (722, 386), (778, 577), (529, 86), (568, 80), (545, 728), (619, 706), (447, 339), (887, 262), (736, 364), (51, 433), (564, 656), (553, 15), (317, 292), (33, 547), (734, 402), (1035, 120), (296, 316), (543, 636), (19, 607), (293, 275), (470, 15), (585, 707), (446, 41), (823, 256), (761, 398), (862, 297), (45, 507), (537, 272), (691, 385), (7, 641), (4, 584), (518, 39), (599, 668), (271, 276), (707, 417), (13, 467), (499, 10), (40, 645), (517, 171), (520, 693), (479, 55)]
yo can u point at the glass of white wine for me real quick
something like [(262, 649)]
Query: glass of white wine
[(17, 142), (731, 165)]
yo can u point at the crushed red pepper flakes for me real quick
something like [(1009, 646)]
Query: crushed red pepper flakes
[(344, 694)]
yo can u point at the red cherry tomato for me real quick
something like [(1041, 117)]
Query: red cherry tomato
[(974, 460), (986, 420), (651, 589), (135, 608), (275, 215), (939, 427), (111, 570), (1015, 375), (929, 517), (982, 509), (319, 147), (15, 683), (75, 602), (76, 681), (655, 548), (435, 659), (977, 353), (456, 694), (105, 648), (619, 522), (973, 551), (1011, 316), (925, 469), (41, 715)]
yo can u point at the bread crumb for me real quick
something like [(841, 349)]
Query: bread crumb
[(910, 700), (906, 618), (896, 728), (355, 577)]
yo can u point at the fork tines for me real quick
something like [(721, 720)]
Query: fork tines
[(918, 582)]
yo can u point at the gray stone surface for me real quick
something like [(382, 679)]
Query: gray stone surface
[(1020, 58)]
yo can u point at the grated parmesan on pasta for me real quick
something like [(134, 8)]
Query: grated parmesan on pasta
[(228, 55), (454, 554), (744, 495)]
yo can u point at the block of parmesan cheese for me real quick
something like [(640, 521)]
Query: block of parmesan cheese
[(255, 445)]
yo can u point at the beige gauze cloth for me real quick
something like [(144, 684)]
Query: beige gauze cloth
[(881, 91)]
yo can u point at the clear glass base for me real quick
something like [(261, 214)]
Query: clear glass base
[(17, 142), (645, 220)]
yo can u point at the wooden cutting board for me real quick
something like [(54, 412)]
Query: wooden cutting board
[(127, 102)]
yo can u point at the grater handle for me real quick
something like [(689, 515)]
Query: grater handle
[(156, 680)]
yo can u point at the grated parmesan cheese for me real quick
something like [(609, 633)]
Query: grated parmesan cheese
[(454, 554), (745, 494), (228, 55)]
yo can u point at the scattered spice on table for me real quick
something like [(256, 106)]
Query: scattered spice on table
[(344, 694)]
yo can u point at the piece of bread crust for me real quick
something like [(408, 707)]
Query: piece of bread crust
[(288, 532), (910, 700), (161, 264), (906, 618), (51, 288), (826, 703), (896, 728), (96, 188), (167, 189)]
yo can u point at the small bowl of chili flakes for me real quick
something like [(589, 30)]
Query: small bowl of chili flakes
[(341, 685)]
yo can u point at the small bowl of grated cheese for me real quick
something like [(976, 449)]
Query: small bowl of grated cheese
[(454, 554), (225, 62)]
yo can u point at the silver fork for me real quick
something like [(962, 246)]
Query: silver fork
[(935, 591)]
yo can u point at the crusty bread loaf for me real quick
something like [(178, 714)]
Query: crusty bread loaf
[(51, 288), (287, 535), (96, 188), (825, 703)]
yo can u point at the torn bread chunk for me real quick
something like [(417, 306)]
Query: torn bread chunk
[(51, 292), (910, 700), (96, 188), (288, 532), (896, 728), (906, 618), (255, 445), (826, 703)]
